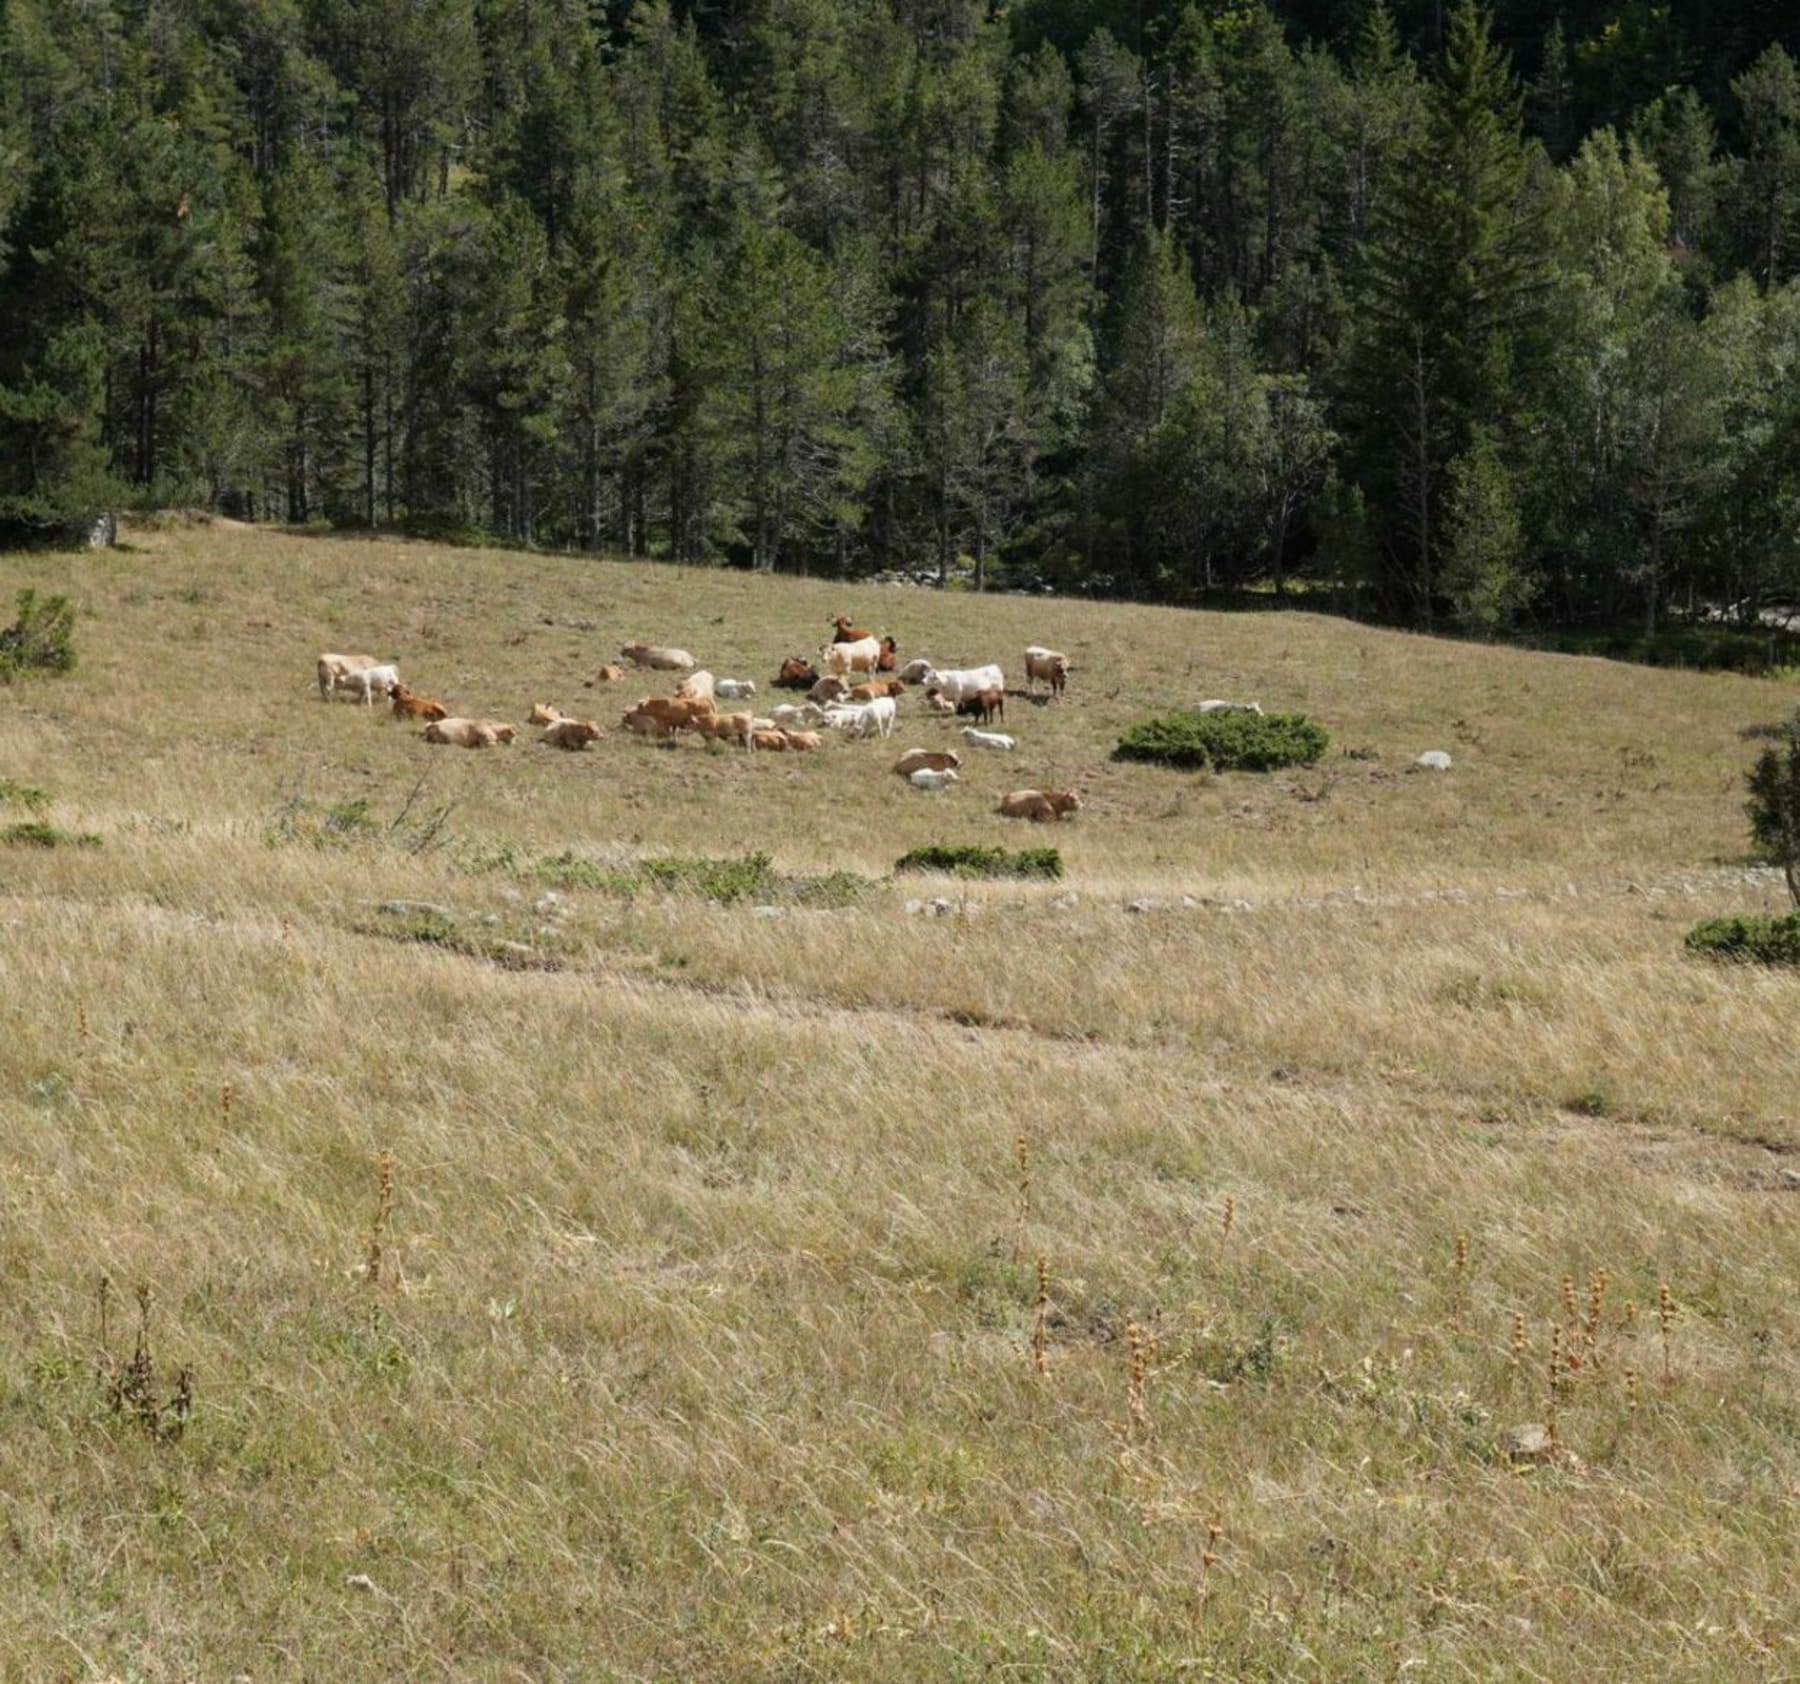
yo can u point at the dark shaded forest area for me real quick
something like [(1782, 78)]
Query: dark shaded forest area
[(1468, 315)]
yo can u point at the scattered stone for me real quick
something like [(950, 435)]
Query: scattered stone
[(517, 949), (1433, 760), (1530, 1443), (934, 908), (1143, 905), (360, 1581), (767, 911), (1067, 903), (415, 909)]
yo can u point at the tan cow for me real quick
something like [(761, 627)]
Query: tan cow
[(470, 733), (1040, 806)]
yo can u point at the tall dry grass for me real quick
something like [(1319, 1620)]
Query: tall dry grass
[(702, 1343)]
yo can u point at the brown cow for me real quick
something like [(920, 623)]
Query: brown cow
[(606, 675), (927, 760), (663, 716), (884, 662), (796, 674), (1040, 806), (805, 741), (985, 705), (409, 706), (1048, 665), (570, 733), (880, 687), (842, 631)]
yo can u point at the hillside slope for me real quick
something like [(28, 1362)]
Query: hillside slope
[(702, 1340)]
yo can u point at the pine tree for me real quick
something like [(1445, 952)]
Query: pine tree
[(1451, 301)]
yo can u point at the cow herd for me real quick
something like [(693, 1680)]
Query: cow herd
[(859, 694)]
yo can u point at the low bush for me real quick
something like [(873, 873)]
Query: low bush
[(734, 878), (1225, 742), (1752, 939), (28, 796), (974, 860), (40, 833), (42, 639)]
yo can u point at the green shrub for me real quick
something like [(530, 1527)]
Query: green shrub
[(972, 860), (726, 880), (42, 639), (28, 796), (735, 878), (1752, 939), (39, 833), (1225, 742), (1774, 805)]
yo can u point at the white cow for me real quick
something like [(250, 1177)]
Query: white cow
[(927, 778), (864, 655), (355, 675), (734, 689), (863, 719), (960, 684), (989, 739), (1227, 707)]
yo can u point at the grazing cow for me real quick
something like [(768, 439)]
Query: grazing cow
[(926, 778), (796, 674), (356, 675), (939, 703), (1040, 806), (470, 733), (828, 690), (989, 739), (914, 671), (409, 706), (663, 716), (966, 681), (734, 689), (663, 660), (336, 672), (1227, 707), (791, 714), (890, 652), (570, 733), (1046, 664), (845, 630), (725, 727), (696, 687), (846, 658), (927, 760), (985, 705), (543, 713)]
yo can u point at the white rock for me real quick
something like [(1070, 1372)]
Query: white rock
[(1433, 760)]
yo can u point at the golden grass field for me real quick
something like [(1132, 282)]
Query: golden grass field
[(705, 1341)]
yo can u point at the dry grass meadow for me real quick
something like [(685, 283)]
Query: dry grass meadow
[(706, 1339)]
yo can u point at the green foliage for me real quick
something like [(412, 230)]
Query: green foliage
[(40, 833), (1163, 306), (735, 878), (976, 860), (1749, 938), (28, 796), (1226, 742), (1774, 805), (41, 639)]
